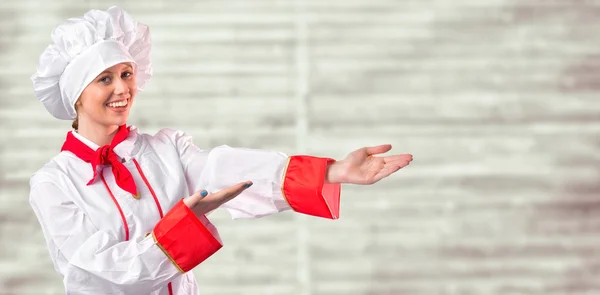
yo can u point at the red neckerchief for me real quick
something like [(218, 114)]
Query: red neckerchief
[(104, 155)]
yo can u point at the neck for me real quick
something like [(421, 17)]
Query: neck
[(100, 135)]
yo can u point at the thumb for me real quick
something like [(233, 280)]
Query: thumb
[(380, 149), (192, 200)]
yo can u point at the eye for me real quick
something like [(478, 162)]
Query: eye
[(126, 75), (105, 80)]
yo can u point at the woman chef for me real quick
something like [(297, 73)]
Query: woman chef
[(123, 212)]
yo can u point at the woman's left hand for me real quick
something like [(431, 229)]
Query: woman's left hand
[(361, 167)]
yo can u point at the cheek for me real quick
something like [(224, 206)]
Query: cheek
[(132, 91), (132, 86), (94, 97)]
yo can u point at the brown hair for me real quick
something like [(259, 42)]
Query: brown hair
[(75, 123)]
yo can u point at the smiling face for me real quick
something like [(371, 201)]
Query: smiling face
[(106, 101)]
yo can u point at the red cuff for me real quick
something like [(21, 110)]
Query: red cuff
[(305, 189), (184, 239)]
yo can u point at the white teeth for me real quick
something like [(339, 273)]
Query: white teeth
[(118, 104)]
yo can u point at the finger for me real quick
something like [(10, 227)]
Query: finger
[(385, 172), (402, 157), (380, 149), (225, 195), (390, 168), (192, 200), (215, 200), (240, 187), (395, 166), (398, 162), (199, 195)]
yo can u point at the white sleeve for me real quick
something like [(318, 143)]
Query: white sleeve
[(224, 166), (275, 188)]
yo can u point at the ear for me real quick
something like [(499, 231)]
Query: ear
[(77, 104)]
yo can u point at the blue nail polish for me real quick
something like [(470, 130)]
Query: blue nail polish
[(204, 193), (247, 185)]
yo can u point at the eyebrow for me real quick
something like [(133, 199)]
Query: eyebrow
[(128, 67)]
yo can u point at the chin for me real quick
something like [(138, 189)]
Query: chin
[(118, 122)]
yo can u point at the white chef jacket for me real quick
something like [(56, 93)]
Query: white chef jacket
[(102, 240)]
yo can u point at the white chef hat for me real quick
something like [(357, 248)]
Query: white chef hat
[(83, 48)]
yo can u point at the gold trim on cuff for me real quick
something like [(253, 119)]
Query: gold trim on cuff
[(166, 253), (137, 196)]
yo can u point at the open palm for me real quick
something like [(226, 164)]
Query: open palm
[(361, 167)]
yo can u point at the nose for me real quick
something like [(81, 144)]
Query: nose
[(121, 87)]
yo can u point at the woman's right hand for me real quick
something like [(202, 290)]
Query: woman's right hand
[(202, 204)]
